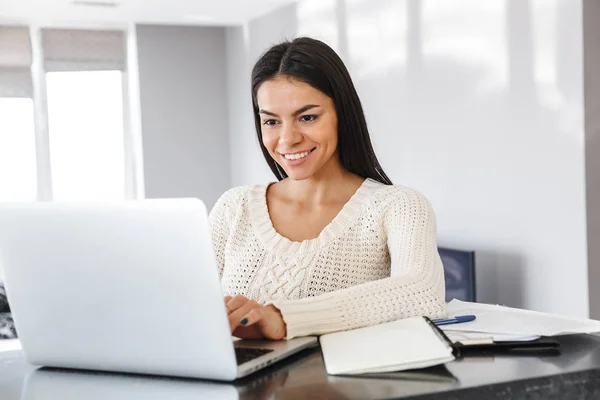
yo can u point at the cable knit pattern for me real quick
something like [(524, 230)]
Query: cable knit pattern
[(377, 261)]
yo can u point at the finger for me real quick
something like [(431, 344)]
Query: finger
[(253, 316), (236, 316), (236, 302), (227, 300), (269, 322)]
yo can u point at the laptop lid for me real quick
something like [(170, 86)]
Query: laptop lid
[(127, 287)]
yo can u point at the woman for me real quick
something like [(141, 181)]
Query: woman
[(333, 245)]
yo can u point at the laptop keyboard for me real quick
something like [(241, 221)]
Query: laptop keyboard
[(245, 354)]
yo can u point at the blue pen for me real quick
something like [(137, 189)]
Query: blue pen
[(456, 320)]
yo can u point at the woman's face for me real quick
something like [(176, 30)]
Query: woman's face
[(299, 127)]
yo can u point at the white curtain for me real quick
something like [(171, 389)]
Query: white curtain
[(83, 50), (15, 62)]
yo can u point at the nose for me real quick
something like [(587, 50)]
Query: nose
[(289, 135)]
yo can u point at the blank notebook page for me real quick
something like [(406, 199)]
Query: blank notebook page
[(394, 346)]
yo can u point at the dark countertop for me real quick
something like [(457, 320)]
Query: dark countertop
[(572, 374)]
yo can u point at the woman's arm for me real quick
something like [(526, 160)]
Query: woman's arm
[(220, 218), (415, 287)]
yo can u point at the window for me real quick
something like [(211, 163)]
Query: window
[(18, 174), (17, 150), (85, 127), (84, 92), (63, 134)]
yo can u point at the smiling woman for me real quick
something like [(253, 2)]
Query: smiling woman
[(298, 135), (332, 245), (311, 77)]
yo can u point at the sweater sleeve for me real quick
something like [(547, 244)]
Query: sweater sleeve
[(220, 219), (415, 286)]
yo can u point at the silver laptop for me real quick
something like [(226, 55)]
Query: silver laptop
[(128, 287)]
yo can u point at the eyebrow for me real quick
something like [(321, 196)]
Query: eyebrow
[(295, 114)]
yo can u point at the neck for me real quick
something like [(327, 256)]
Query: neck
[(332, 184)]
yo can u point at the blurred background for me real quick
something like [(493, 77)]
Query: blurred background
[(490, 108)]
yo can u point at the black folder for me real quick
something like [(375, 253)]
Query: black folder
[(544, 345)]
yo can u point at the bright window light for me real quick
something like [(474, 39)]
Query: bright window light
[(17, 150), (85, 121)]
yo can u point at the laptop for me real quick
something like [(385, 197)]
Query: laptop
[(127, 287)]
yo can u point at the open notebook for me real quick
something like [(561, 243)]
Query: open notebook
[(394, 346)]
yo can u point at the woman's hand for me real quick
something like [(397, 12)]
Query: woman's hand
[(250, 320)]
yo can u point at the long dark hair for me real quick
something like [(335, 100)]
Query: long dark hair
[(313, 62)]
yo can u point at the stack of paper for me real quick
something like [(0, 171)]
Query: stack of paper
[(511, 324), (480, 337)]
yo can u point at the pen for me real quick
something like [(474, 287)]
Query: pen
[(456, 320)]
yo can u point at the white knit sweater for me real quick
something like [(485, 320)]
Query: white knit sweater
[(377, 261)]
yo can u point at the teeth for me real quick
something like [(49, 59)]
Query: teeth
[(296, 156)]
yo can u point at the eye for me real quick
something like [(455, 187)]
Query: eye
[(308, 118), (270, 122)]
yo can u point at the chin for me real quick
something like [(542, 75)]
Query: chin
[(298, 176)]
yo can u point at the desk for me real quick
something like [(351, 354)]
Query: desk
[(574, 374)]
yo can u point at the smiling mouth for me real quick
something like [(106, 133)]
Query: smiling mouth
[(297, 156)]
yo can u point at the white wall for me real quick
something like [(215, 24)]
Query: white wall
[(592, 147), (244, 45), (479, 105), (184, 111)]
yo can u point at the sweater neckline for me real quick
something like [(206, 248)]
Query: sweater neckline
[(279, 244)]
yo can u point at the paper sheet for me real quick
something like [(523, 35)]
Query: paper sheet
[(494, 319), (456, 336)]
